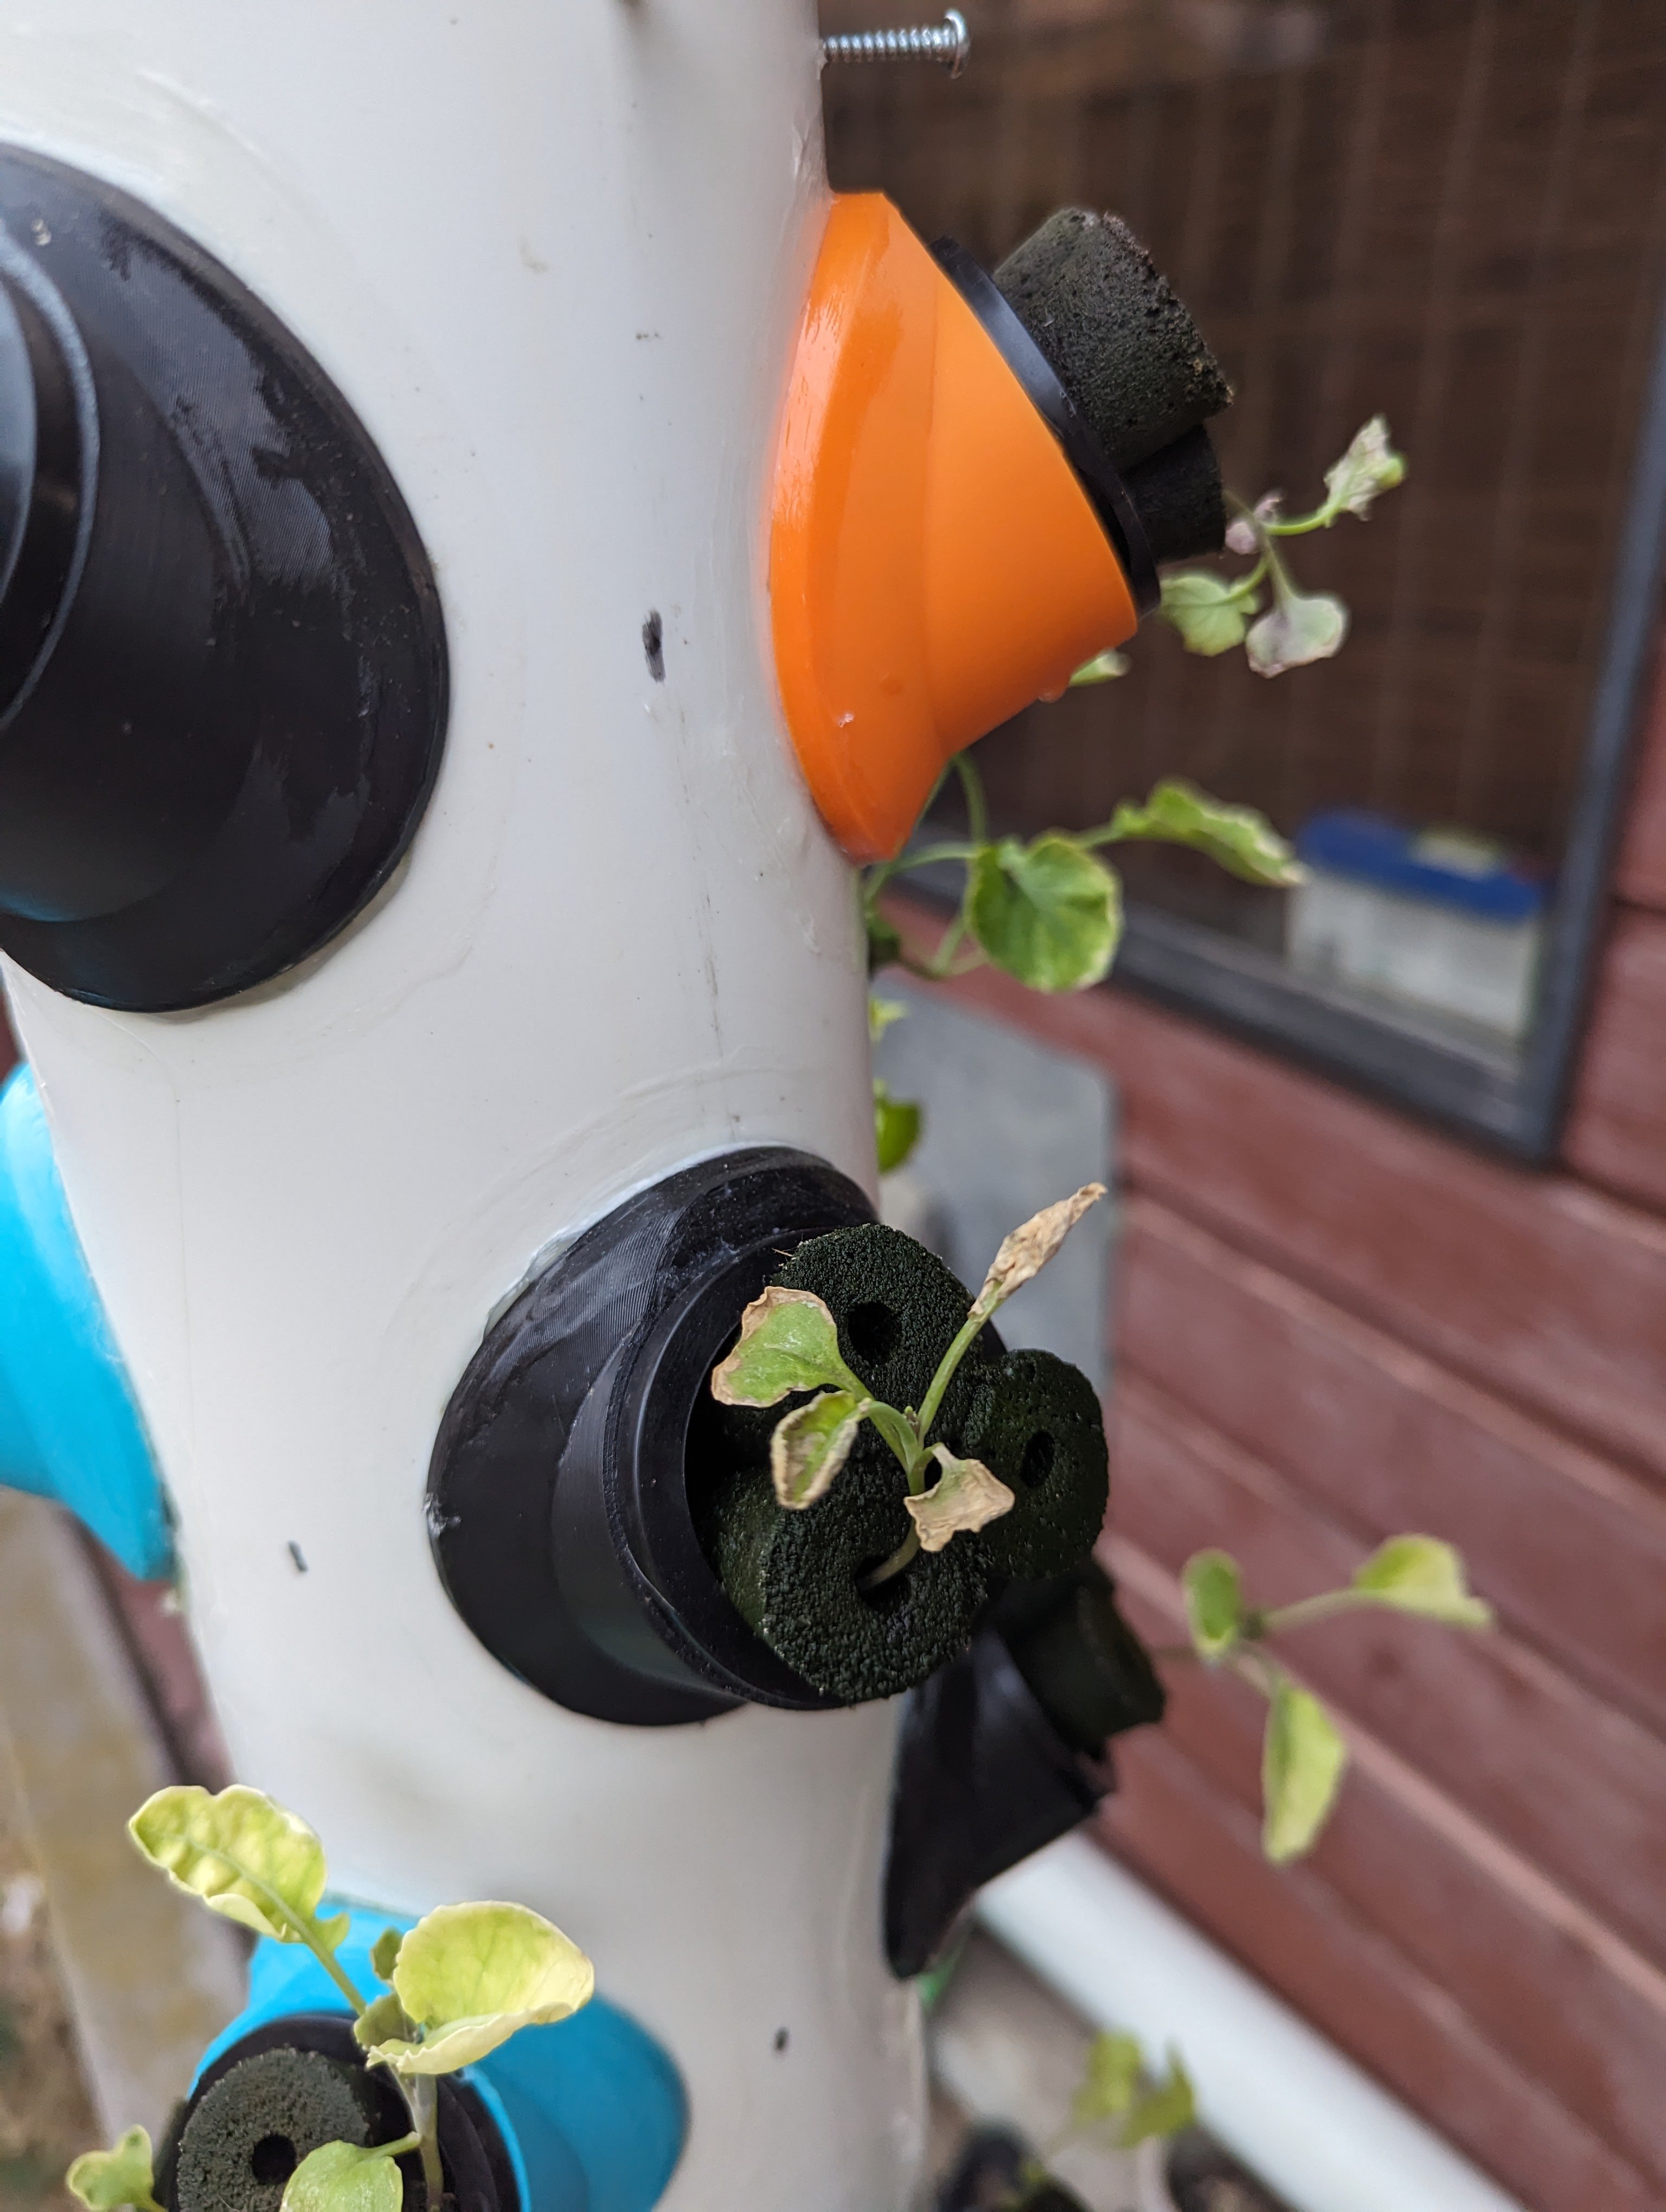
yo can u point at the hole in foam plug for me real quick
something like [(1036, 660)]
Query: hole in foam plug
[(272, 2160), (1037, 1461), (872, 1330)]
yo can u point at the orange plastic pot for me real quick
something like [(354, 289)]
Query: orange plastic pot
[(934, 563)]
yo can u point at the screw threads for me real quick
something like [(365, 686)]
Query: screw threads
[(948, 43)]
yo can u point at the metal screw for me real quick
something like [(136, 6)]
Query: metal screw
[(949, 43)]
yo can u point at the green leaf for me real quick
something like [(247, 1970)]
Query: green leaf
[(1048, 913), (1420, 1575), (811, 1444), (338, 2177), (1370, 465), (1103, 668), (1166, 2108), (964, 1496), (789, 1341), (472, 1975), (383, 1953), (1214, 1603), (107, 2179), (1238, 838), (882, 1015), (1303, 1761), (243, 1856), (884, 942), (1299, 628), (1212, 613), (1110, 2080), (896, 1126), (382, 2020)]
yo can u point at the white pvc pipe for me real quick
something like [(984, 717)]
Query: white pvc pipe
[(1316, 2128), (554, 252)]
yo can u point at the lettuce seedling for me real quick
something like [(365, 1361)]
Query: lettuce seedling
[(463, 1980)]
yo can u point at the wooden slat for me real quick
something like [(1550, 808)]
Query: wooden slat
[(1577, 1788), (1617, 1131), (1534, 1286), (1176, 1827), (1570, 1547), (1642, 872), (1552, 1988)]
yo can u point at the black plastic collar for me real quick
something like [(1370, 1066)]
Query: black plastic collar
[(1097, 474)]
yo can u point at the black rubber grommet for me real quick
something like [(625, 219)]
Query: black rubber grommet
[(1097, 473), (223, 685), (572, 1472)]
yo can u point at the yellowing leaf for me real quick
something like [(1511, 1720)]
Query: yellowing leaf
[(1211, 612), (1214, 1603), (1166, 2108), (471, 1976), (1103, 668), (810, 1444), (1026, 1250), (1236, 838), (1048, 912), (1109, 2080), (243, 1856), (789, 1341), (1420, 1575), (103, 2179), (1370, 465), (1303, 1761), (965, 1495), (897, 1123), (382, 2020), (338, 2177), (1300, 627)]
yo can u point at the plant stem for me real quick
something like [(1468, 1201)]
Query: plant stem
[(326, 1959), (977, 812), (946, 1366), (1325, 1606), (422, 2103), (888, 1569)]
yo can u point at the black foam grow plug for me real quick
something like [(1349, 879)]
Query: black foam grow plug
[(1036, 1424), (797, 1578), (255, 2125)]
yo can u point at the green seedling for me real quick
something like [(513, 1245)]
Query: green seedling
[(1304, 1756), (789, 1343), (463, 1980), (1049, 910)]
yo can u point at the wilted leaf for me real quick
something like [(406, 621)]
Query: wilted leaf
[(383, 1953), (1370, 465), (1048, 912), (1298, 628), (243, 1856), (382, 2020), (1238, 838), (1303, 1761), (896, 1124), (471, 1976), (1214, 1603), (965, 1495), (789, 1341), (1212, 613), (1110, 2081), (338, 2177), (1420, 1575), (1103, 668), (1026, 1250), (1165, 2108), (810, 1444), (104, 2179)]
